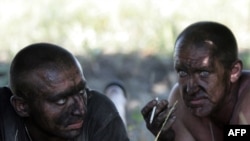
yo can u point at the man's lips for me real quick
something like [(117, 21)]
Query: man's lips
[(75, 125), (197, 101)]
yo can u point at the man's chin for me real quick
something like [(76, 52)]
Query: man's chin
[(199, 112), (72, 133)]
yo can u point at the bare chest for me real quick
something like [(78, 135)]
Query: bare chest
[(196, 131)]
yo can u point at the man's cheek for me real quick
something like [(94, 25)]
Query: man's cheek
[(62, 118)]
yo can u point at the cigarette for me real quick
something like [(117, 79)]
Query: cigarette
[(153, 112)]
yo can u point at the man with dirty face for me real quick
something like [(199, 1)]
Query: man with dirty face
[(52, 101), (211, 90)]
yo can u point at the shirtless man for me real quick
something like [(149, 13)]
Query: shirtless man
[(212, 88)]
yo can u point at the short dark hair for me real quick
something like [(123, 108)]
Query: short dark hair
[(225, 45), (33, 57)]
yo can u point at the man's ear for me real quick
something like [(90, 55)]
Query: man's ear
[(236, 71), (20, 105)]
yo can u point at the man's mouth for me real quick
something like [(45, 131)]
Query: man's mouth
[(75, 125), (197, 102)]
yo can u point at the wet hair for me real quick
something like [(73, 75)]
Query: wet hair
[(219, 37), (33, 57)]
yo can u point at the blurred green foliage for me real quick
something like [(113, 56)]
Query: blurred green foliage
[(91, 26)]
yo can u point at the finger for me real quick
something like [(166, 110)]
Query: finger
[(159, 121), (146, 110), (157, 109), (162, 109), (162, 103), (169, 123), (161, 117), (171, 117), (162, 106)]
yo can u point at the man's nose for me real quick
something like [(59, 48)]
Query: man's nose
[(192, 85), (79, 107)]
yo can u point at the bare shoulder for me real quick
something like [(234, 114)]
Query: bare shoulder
[(245, 76), (244, 85), (243, 103), (174, 94), (184, 119), (181, 110)]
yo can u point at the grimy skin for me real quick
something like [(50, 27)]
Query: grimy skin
[(49, 92), (212, 88)]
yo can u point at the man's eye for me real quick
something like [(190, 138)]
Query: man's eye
[(182, 73), (204, 74), (82, 92), (61, 101)]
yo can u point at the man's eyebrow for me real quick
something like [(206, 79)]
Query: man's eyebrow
[(81, 86), (68, 92), (58, 96)]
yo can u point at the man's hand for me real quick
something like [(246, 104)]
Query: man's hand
[(161, 112)]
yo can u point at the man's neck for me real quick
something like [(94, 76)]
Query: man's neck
[(33, 135), (224, 113)]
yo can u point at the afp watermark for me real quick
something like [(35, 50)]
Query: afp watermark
[(239, 132)]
